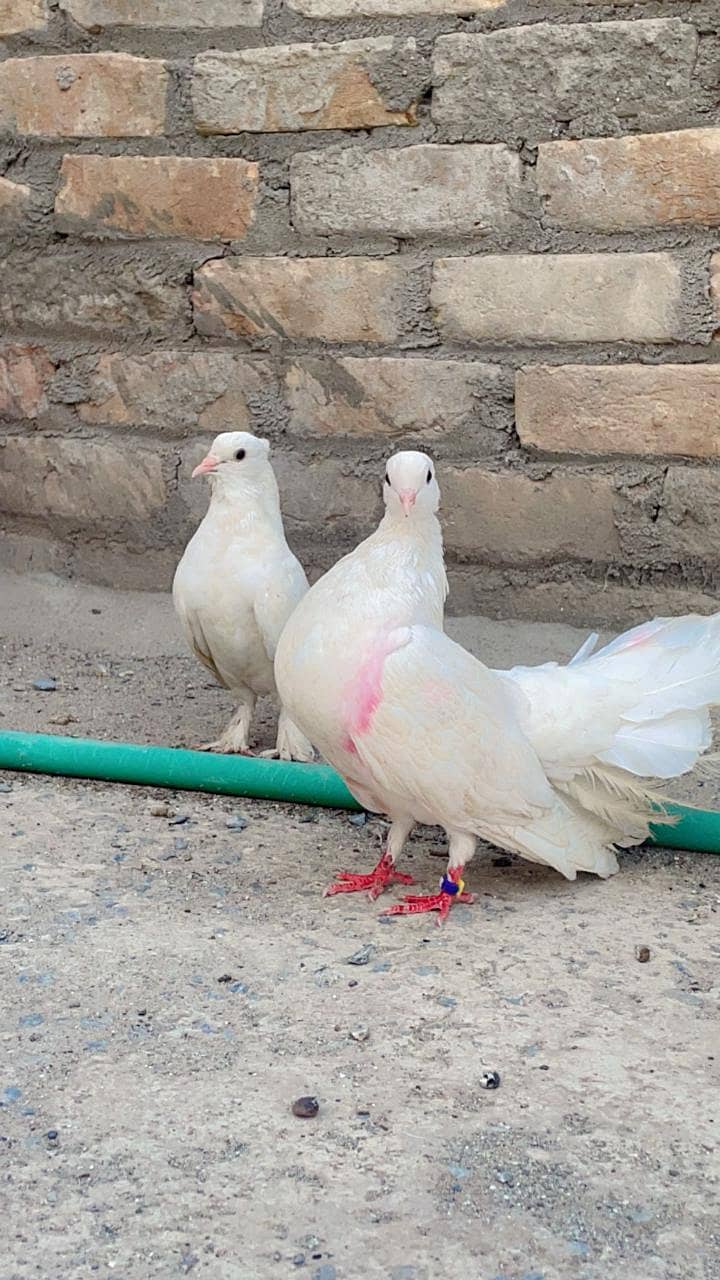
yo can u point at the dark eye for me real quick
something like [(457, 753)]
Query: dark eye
[(240, 455), (428, 477), (387, 478)]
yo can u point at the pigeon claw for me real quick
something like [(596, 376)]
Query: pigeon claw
[(416, 904), (375, 881)]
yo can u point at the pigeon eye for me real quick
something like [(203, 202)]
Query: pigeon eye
[(387, 478), (428, 477), (240, 455)]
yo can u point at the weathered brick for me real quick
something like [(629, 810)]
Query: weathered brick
[(205, 15), (24, 374), (689, 515), (426, 190), (157, 196), (333, 299), (508, 517), (593, 297), (333, 10), (17, 16), (172, 392), (520, 81), (83, 95), (385, 396), (15, 201), (349, 504), (82, 480), (299, 86), (620, 184), (626, 409), (63, 291)]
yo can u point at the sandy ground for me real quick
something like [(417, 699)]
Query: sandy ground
[(171, 984)]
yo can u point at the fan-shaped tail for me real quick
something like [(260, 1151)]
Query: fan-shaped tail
[(672, 668)]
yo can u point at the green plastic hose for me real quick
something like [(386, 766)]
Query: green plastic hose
[(315, 784)]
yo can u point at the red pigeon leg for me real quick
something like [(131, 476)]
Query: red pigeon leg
[(375, 881), (384, 874), (452, 890)]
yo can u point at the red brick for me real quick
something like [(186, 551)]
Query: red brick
[(387, 396), (24, 374), (83, 95), (179, 15), (297, 87), (507, 517), (622, 184), (157, 196), (333, 299), (626, 409), (172, 392), (80, 480), (569, 297)]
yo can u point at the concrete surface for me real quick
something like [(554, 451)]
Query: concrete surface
[(169, 990)]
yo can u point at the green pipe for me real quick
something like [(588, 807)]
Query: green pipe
[(696, 829), (316, 784)]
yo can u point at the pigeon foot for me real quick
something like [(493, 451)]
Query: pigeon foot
[(452, 889), (375, 881), (224, 747)]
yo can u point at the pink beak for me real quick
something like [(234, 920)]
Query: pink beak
[(207, 466), (407, 499)]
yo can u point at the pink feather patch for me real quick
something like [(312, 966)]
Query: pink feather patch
[(364, 692)]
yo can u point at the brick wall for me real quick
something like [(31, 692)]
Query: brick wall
[(486, 227)]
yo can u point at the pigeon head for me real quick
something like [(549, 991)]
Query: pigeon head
[(410, 485), (236, 458)]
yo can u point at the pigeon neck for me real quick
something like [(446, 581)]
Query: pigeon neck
[(418, 525), (246, 501)]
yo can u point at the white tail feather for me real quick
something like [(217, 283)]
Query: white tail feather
[(625, 805), (673, 667)]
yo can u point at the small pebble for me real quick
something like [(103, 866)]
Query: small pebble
[(358, 820), (360, 1032), (45, 685), (5, 788), (52, 1135), (305, 1108), (299, 1260), (642, 954), (96, 611), (490, 1080), (160, 810), (308, 817), (236, 823), (179, 819), (361, 956), (225, 977)]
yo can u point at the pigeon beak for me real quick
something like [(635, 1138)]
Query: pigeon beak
[(207, 466), (407, 499)]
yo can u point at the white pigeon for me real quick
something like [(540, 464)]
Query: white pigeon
[(237, 584), (555, 763)]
